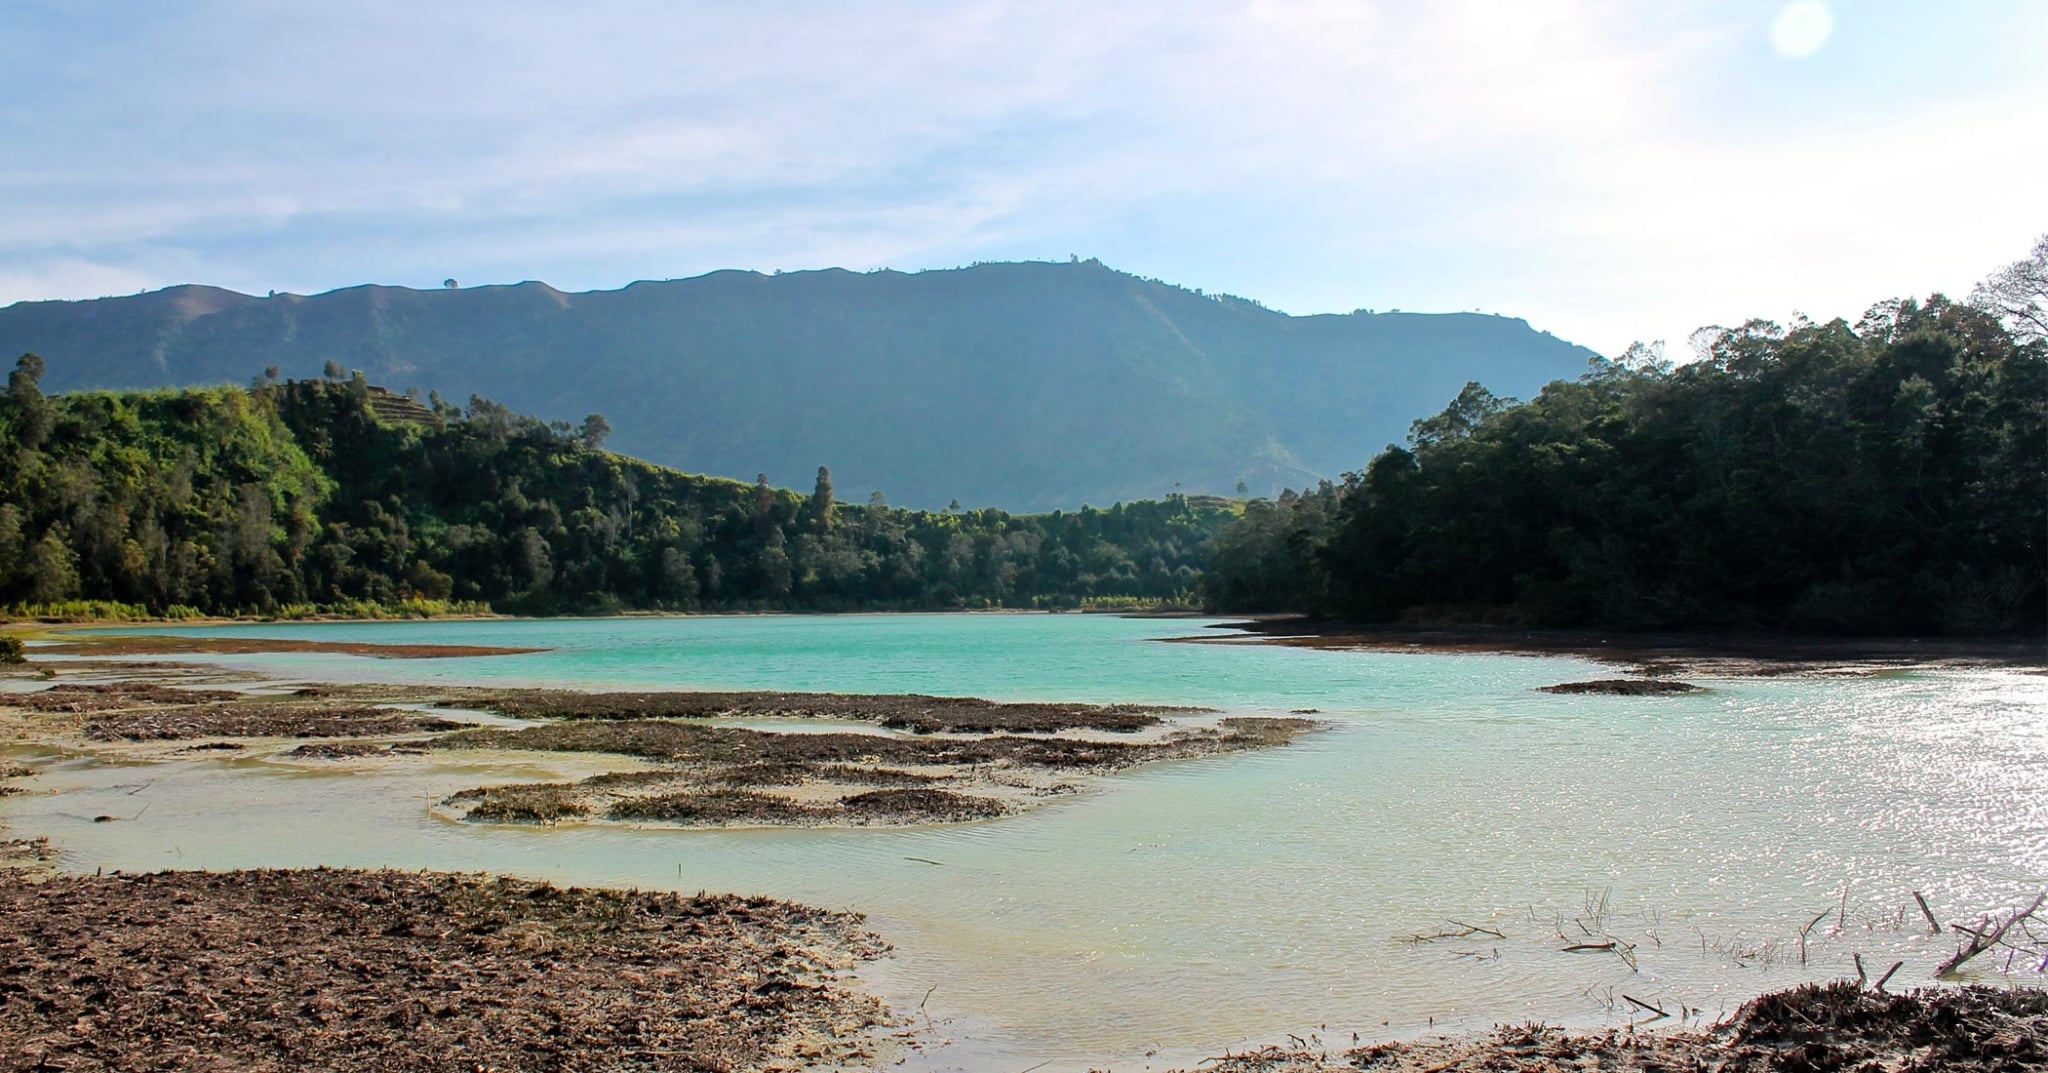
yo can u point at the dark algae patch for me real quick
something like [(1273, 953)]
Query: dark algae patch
[(372, 971), (1812, 1029), (1625, 687)]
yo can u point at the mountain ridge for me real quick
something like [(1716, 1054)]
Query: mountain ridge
[(1025, 385)]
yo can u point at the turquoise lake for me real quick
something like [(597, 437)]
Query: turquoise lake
[(1176, 911)]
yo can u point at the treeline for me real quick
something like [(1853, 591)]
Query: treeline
[(1886, 477), (291, 496)]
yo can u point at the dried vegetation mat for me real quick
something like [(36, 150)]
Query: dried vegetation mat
[(149, 711), (1840, 1026), (896, 711), (719, 776), (918, 759), (352, 970)]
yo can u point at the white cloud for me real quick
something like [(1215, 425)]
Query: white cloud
[(70, 277), (1594, 165)]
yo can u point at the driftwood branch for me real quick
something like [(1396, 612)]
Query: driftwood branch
[(1933, 927), (1802, 934), (1647, 1007), (1465, 931), (1987, 937)]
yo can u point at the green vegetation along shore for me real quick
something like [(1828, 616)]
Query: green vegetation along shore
[(1887, 477), (300, 497)]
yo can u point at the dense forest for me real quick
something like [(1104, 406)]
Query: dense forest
[(290, 497), (1890, 476)]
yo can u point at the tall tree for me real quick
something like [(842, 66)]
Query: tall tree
[(818, 509), (2018, 294)]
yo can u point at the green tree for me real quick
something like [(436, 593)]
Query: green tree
[(29, 414), (818, 509)]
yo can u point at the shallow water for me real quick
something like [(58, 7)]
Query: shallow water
[(1193, 907)]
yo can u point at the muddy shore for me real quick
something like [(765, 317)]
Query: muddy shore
[(1841, 1026), (352, 970), (1653, 655), (348, 970)]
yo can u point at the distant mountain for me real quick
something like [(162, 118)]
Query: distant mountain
[(1024, 386)]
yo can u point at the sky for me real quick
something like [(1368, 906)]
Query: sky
[(1609, 170)]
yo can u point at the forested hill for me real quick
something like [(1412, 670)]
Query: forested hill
[(326, 495), (1025, 386), (1888, 477)]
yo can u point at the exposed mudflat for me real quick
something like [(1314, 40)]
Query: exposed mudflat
[(894, 760), (720, 776), (1840, 1026), (354, 970)]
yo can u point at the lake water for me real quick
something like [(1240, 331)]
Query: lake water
[(1184, 909)]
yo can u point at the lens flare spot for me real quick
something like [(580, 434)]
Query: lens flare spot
[(1801, 29)]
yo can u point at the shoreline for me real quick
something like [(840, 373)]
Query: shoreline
[(1650, 655), (353, 969)]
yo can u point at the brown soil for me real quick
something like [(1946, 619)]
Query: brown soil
[(1625, 687), (351, 970), (1715, 654), (155, 644), (1805, 1030), (921, 714), (23, 856)]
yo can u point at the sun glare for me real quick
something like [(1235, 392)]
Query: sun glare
[(1801, 29)]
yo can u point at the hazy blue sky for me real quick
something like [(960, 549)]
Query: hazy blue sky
[(1608, 170)]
